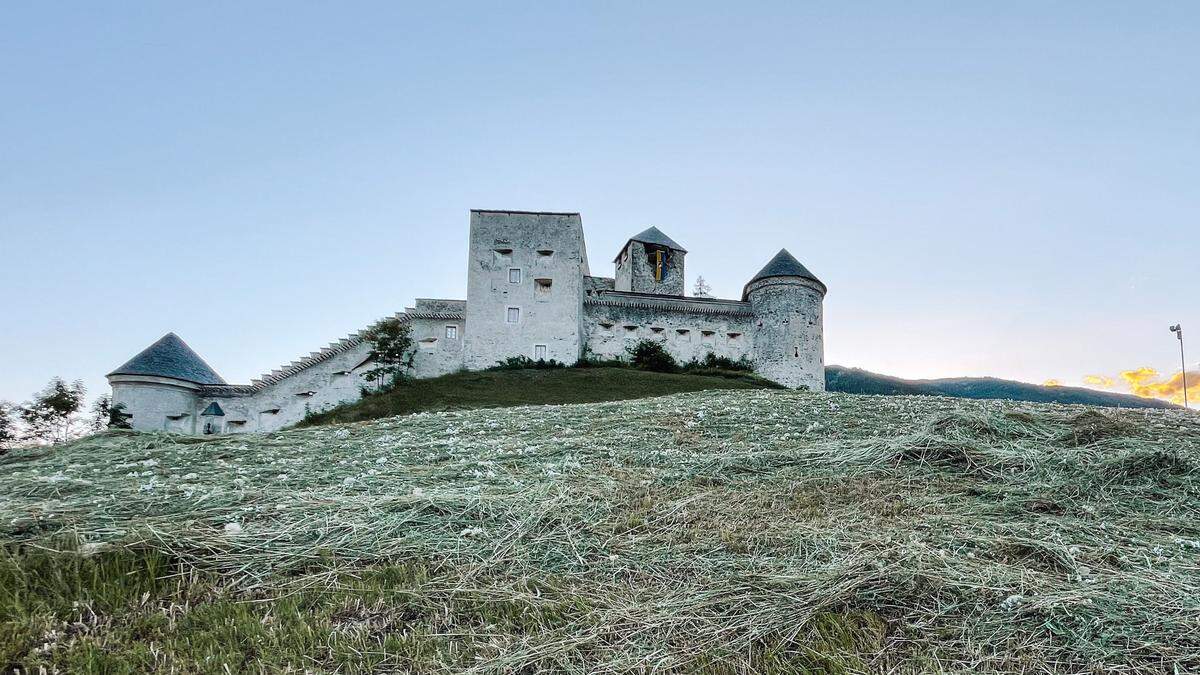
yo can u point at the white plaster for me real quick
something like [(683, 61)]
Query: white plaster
[(563, 310)]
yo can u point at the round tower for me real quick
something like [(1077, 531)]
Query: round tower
[(789, 344), (160, 388)]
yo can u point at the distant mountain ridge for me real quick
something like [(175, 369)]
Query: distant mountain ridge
[(859, 381)]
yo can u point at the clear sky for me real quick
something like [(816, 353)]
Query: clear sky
[(1008, 189)]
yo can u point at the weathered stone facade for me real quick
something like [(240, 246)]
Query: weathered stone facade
[(529, 293)]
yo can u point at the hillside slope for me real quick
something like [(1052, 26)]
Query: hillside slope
[(722, 531), (503, 388), (859, 381)]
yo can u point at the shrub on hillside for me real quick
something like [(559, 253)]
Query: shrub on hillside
[(651, 355), (713, 362), (524, 362), (590, 361)]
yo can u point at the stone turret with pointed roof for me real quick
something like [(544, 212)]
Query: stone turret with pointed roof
[(784, 264), (650, 262), (653, 236), (789, 341), (170, 357)]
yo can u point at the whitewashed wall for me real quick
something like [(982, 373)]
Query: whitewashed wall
[(613, 328), (552, 318), (152, 400), (789, 342)]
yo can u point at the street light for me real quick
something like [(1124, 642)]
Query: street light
[(1177, 329)]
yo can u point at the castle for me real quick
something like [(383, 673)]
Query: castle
[(529, 293)]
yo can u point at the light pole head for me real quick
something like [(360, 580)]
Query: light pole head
[(1177, 329)]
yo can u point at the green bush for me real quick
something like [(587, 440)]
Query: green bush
[(589, 360), (651, 355), (524, 363), (713, 362)]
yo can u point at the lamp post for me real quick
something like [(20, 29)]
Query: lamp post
[(1177, 329)]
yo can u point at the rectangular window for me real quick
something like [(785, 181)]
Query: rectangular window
[(683, 335), (541, 287), (514, 315), (514, 275), (451, 332), (539, 352)]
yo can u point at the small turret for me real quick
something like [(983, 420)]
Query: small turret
[(789, 346), (650, 262), (159, 388)]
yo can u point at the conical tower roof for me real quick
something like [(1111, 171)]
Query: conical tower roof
[(652, 235), (784, 264), (170, 357)]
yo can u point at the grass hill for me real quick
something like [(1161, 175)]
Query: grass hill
[(716, 531), (532, 386), (503, 388), (858, 381)]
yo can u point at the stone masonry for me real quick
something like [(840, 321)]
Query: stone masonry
[(529, 293)]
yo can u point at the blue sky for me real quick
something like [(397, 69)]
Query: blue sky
[(1005, 189)]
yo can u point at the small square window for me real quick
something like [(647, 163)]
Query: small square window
[(451, 332), (514, 275), (514, 315), (542, 286), (539, 352)]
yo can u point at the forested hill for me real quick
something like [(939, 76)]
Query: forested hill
[(858, 381)]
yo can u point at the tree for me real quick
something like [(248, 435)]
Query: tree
[(101, 414), (651, 355), (701, 289), (52, 415), (391, 349), (105, 415), (8, 427)]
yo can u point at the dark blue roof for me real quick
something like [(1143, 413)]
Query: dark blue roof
[(213, 410), (170, 357), (783, 265), (652, 235)]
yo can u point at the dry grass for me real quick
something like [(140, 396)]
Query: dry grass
[(733, 532)]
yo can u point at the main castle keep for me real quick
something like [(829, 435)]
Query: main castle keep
[(529, 293)]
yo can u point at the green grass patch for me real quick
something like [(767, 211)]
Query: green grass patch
[(535, 386)]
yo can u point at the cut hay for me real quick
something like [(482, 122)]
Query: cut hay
[(721, 531)]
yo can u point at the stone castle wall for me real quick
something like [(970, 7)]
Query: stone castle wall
[(535, 263), (687, 328), (524, 287), (789, 337)]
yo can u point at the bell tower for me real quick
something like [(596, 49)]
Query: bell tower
[(651, 262)]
